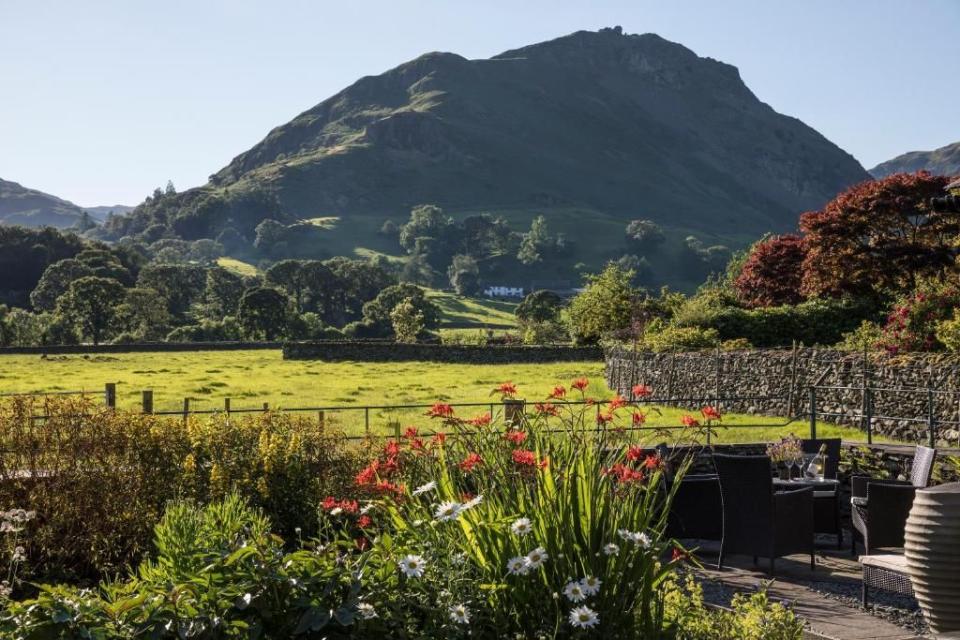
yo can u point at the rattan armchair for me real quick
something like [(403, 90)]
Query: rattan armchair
[(696, 511), (756, 520), (826, 502), (879, 508)]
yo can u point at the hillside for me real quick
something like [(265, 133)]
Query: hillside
[(32, 208), (591, 130), (943, 161), (100, 213)]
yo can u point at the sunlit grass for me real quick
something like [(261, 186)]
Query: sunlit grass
[(251, 378)]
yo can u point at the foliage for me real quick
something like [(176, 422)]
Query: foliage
[(751, 616), (645, 235), (107, 475), (540, 306), (54, 282), (912, 324), (219, 573), (663, 337), (604, 306), (867, 336), (264, 313), (379, 310), (464, 274), (878, 235), (736, 344), (948, 332), (407, 321), (474, 337), (544, 333), (90, 303), (771, 274)]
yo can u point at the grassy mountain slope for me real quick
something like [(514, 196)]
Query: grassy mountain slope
[(32, 208), (943, 161), (591, 130)]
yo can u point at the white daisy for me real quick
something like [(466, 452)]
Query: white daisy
[(336, 511), (584, 617), (643, 540), (537, 557), (518, 566), (412, 566), (611, 549), (521, 526), (447, 511), (574, 592), (366, 611), (460, 614), (422, 489), (366, 508), (590, 585), (625, 534)]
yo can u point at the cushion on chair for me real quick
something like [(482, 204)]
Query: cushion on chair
[(858, 502)]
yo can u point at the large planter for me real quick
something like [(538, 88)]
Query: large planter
[(932, 549)]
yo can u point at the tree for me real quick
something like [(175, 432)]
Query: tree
[(25, 329), (286, 275), (180, 285), (407, 321), (464, 275), (222, 292), (270, 237), (144, 314), (639, 265), (417, 270), (533, 241), (90, 303), (645, 235), (878, 235), (426, 221), (604, 306), (263, 314), (55, 281), (105, 264), (378, 310), (358, 281), (540, 306), (771, 275)]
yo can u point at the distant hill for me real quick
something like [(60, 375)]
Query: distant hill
[(32, 208), (100, 213), (591, 130), (943, 161)]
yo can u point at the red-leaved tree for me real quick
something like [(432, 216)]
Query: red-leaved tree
[(879, 234), (771, 274)]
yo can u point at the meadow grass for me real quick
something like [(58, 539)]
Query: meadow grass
[(250, 378), (475, 311)]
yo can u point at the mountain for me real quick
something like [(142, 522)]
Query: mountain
[(591, 130), (100, 213), (943, 161), (32, 208)]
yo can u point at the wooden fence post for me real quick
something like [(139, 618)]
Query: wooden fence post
[(147, 400), (110, 395), (186, 410), (266, 407), (321, 422), (226, 406)]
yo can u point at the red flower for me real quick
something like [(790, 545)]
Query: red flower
[(635, 453), (507, 389), (481, 420), (349, 506), (604, 418), (641, 391), (329, 503), (368, 475), (471, 461), (678, 554), (364, 521), (362, 543), (416, 444), (410, 433), (526, 458), (438, 440), (580, 384), (689, 421), (639, 417), (546, 409), (624, 474), (652, 462), (391, 449), (617, 402), (516, 437), (440, 410), (710, 413), (558, 392), (388, 487)]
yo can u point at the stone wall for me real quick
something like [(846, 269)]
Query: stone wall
[(140, 347), (778, 382), (387, 351)]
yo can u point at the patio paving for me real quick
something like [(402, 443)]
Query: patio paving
[(826, 617)]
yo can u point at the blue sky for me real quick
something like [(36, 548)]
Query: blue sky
[(103, 100)]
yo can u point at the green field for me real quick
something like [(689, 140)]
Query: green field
[(250, 378), (479, 312)]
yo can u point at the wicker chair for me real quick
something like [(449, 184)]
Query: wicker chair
[(757, 521), (697, 511), (879, 508), (826, 503)]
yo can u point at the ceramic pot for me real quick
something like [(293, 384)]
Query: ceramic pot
[(932, 550)]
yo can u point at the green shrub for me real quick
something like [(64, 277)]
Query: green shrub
[(865, 337), (736, 344), (948, 332), (99, 479), (474, 337), (544, 333), (219, 573), (662, 337)]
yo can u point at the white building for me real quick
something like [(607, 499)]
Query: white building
[(503, 292)]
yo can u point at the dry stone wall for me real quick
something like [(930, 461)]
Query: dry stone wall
[(905, 390)]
